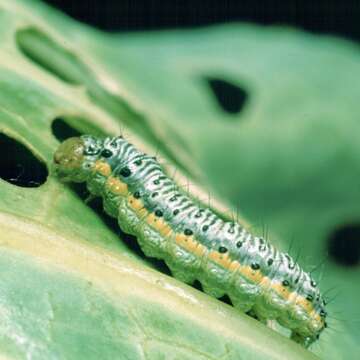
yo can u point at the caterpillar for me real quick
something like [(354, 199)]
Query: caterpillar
[(194, 242)]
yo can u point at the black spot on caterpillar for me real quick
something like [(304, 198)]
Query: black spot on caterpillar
[(194, 242)]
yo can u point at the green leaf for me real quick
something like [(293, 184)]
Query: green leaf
[(70, 287)]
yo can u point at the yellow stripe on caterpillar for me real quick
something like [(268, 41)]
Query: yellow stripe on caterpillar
[(102, 168), (116, 186)]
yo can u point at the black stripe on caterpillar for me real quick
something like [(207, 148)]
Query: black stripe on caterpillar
[(193, 241)]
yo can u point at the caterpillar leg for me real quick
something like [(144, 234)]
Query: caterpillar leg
[(305, 341), (183, 257), (243, 295), (256, 316), (151, 242), (242, 306), (90, 198), (181, 274), (211, 290)]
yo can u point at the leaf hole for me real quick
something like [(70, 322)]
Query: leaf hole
[(52, 57), (62, 130), (72, 126), (344, 245), (19, 166), (230, 97)]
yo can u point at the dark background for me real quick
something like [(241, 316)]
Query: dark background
[(340, 17)]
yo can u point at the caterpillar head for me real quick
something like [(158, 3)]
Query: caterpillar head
[(75, 157)]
